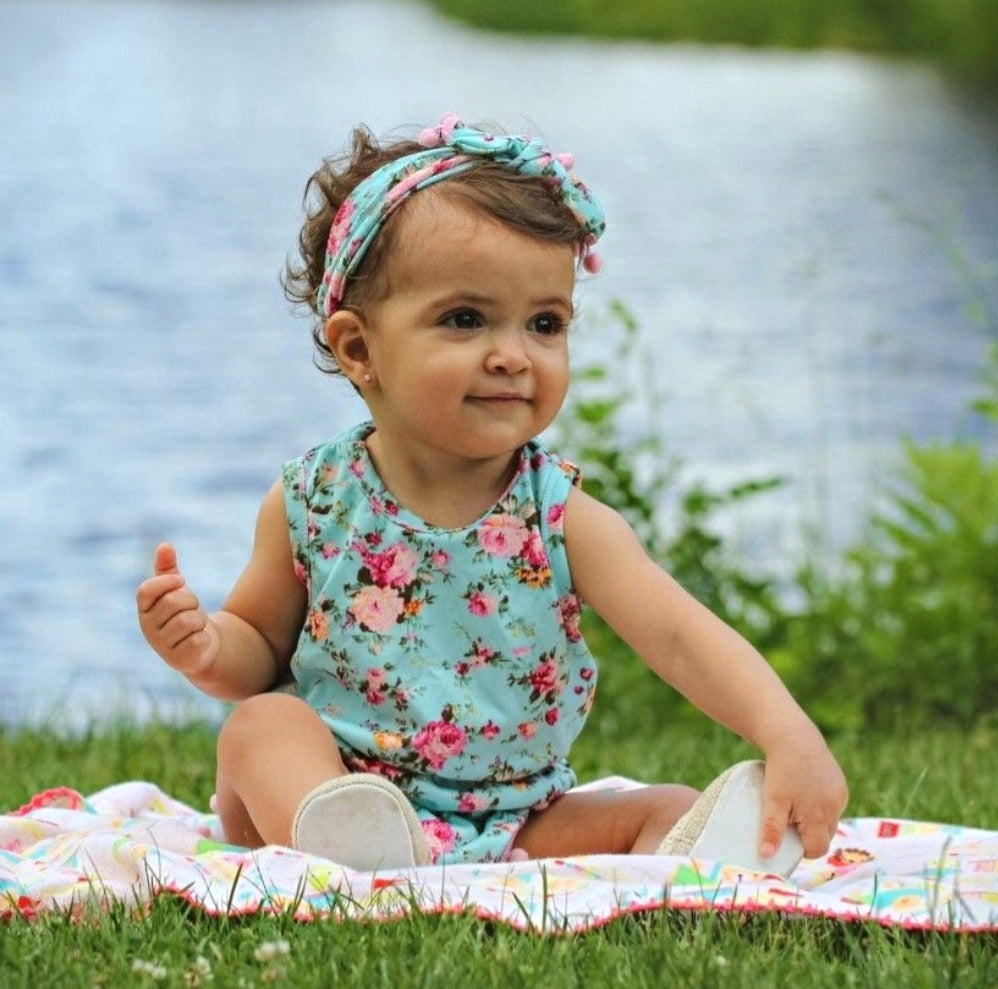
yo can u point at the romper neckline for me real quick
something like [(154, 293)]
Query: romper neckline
[(374, 487)]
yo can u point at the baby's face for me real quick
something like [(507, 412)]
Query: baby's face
[(469, 350)]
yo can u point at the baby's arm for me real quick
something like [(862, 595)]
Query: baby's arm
[(713, 666), (242, 649)]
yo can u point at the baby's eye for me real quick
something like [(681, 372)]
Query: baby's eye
[(547, 324), (462, 319)]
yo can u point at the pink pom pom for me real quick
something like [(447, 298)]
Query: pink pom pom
[(429, 137), (567, 159), (433, 137), (592, 262)]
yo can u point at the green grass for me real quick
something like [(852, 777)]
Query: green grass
[(657, 949), (944, 775), (960, 34)]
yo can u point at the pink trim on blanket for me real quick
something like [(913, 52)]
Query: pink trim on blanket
[(132, 843), (60, 796)]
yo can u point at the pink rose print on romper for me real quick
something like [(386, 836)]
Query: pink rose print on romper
[(392, 567), (534, 553), (327, 475), (438, 742), (479, 656), (377, 608), (544, 679), (502, 535), (481, 604), (440, 837), (318, 625), (569, 614), (472, 803), (360, 765), (376, 686)]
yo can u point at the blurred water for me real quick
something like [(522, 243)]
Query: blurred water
[(779, 224)]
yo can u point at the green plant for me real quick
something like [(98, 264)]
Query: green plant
[(987, 403), (609, 427), (909, 630), (699, 559), (629, 471)]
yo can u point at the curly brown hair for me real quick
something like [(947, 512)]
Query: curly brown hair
[(525, 203)]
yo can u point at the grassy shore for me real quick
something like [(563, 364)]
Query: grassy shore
[(960, 34), (945, 775)]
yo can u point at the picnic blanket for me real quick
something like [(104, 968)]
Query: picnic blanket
[(131, 843)]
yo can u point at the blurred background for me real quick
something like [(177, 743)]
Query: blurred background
[(806, 237)]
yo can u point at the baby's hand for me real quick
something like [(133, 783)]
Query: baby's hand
[(172, 619), (803, 786)]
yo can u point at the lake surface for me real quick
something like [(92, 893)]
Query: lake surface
[(801, 237)]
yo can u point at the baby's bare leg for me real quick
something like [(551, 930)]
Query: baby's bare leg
[(272, 751), (597, 822)]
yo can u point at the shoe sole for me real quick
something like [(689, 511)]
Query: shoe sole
[(360, 821), (725, 822)]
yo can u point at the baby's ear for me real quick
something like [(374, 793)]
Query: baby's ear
[(345, 336)]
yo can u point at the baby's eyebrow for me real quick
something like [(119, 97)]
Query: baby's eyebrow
[(460, 298), (471, 298), (558, 300)]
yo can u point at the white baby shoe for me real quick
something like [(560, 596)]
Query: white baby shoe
[(725, 822), (362, 821)]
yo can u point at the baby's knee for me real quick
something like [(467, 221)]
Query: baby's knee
[(668, 802), (255, 720), (685, 796)]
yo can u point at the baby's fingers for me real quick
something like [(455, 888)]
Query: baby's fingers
[(165, 560), (815, 832), (154, 590), (775, 817), (819, 819), (816, 836), (177, 627), (182, 626), (165, 580), (167, 600), (169, 610)]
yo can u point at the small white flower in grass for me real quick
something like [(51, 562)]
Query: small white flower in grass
[(270, 950), (199, 973), (151, 969)]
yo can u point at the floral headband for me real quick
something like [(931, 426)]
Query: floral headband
[(451, 148)]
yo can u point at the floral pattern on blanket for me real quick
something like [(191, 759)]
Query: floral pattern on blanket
[(132, 842)]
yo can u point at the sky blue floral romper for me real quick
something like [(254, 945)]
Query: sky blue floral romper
[(447, 660)]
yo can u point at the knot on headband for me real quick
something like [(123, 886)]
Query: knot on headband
[(450, 148)]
